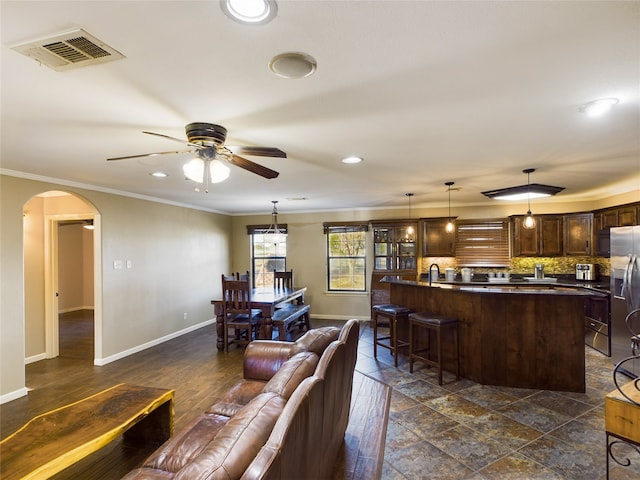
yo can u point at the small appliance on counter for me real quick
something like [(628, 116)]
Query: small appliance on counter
[(586, 271), (539, 271)]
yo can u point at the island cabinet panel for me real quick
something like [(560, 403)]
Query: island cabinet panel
[(524, 340)]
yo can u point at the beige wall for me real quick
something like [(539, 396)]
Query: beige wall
[(177, 255)]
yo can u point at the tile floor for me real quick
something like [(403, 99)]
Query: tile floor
[(463, 430)]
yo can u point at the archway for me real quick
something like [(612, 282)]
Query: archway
[(43, 214)]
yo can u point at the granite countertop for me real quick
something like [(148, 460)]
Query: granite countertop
[(552, 285)]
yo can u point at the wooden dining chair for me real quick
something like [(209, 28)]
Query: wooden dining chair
[(238, 315), (283, 280), (243, 276)]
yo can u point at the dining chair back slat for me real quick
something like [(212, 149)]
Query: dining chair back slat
[(283, 280)]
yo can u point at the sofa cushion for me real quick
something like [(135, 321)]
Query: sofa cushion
[(183, 447), (237, 397), (315, 340), (292, 373), (238, 442)]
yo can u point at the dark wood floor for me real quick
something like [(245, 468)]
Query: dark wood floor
[(190, 364)]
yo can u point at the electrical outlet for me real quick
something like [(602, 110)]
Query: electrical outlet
[(185, 315)]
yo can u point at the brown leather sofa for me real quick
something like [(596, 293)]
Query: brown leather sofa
[(286, 418)]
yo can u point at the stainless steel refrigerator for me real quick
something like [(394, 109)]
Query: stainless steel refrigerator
[(625, 294)]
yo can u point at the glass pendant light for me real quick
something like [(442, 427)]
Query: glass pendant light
[(529, 221), (274, 234), (410, 231), (450, 227)]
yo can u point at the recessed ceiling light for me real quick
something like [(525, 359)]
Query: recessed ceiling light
[(158, 174), (293, 65), (254, 12), (352, 160), (598, 107)]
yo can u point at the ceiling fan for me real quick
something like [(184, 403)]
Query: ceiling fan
[(207, 141)]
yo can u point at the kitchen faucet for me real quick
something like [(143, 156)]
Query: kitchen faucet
[(431, 269)]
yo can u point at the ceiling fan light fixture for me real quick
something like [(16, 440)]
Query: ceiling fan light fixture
[(218, 171), (250, 12), (293, 65), (194, 170)]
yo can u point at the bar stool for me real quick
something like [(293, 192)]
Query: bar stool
[(393, 313), (432, 322)]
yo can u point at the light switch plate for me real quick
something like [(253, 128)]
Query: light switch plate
[(117, 264)]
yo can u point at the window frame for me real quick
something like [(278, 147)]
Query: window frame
[(253, 231), (331, 228)]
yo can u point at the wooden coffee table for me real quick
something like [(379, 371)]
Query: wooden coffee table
[(55, 440)]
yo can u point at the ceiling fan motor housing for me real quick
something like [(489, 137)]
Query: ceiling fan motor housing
[(206, 134)]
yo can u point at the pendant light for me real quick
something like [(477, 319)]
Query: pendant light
[(410, 231), (450, 227), (529, 221), (274, 234)]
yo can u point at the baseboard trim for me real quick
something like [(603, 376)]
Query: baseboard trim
[(99, 362), (7, 397), (35, 358), (75, 309)]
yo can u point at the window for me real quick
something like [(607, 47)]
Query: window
[(482, 243), (346, 256), (265, 256)]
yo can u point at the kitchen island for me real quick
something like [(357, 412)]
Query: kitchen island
[(521, 335)]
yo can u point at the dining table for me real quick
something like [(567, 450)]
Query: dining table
[(265, 299)]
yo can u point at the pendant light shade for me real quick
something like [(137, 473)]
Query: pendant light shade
[(450, 227), (410, 230), (274, 234), (529, 221)]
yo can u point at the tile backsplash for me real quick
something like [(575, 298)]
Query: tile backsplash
[(525, 265)]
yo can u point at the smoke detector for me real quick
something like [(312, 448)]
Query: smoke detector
[(70, 49)]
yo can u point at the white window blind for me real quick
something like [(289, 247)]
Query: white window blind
[(482, 243)]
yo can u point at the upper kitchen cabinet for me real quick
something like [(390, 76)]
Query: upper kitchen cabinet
[(620, 216), (578, 234), (544, 240), (628, 216), (394, 246), (436, 241)]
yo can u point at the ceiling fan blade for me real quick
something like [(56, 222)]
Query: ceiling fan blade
[(253, 167), (258, 151), (168, 137), (149, 154)]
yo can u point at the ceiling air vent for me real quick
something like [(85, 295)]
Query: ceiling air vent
[(67, 50)]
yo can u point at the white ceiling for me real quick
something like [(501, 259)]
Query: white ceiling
[(426, 92)]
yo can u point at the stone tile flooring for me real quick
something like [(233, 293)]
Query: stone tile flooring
[(463, 430)]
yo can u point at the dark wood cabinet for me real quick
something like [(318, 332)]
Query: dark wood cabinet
[(544, 240), (606, 219), (394, 246), (436, 241), (627, 216), (394, 253), (578, 234), (620, 216)]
